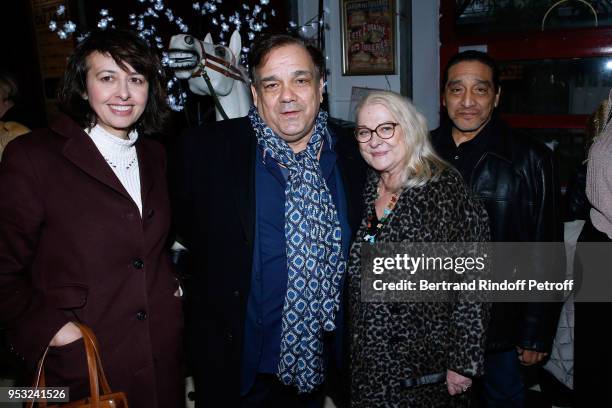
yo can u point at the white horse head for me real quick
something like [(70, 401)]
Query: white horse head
[(193, 60)]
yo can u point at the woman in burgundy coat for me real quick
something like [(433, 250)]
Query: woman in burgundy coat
[(84, 217)]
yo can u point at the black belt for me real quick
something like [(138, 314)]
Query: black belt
[(424, 380)]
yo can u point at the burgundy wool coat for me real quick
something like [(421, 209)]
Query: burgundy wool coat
[(73, 246)]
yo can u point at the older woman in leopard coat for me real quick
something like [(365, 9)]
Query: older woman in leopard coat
[(411, 195)]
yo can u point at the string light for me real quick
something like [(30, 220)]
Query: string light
[(244, 18), (69, 27)]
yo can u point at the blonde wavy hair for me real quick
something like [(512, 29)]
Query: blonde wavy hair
[(596, 124), (422, 164)]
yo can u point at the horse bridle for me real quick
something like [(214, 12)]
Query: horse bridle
[(219, 65), (223, 67)]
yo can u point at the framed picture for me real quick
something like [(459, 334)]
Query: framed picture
[(368, 37), (357, 94)]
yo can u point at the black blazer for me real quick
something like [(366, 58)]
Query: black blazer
[(516, 180), (214, 209)]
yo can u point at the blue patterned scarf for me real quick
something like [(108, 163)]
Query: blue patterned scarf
[(315, 264)]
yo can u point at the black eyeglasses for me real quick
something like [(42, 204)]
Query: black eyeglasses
[(385, 130)]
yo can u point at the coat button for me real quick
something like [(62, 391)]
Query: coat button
[(150, 213), (236, 293), (229, 337), (396, 339), (138, 263), (396, 309), (406, 383), (141, 315)]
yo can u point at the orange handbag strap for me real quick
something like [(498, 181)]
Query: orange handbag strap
[(93, 341), (97, 377)]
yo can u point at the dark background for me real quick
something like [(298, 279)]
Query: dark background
[(20, 54)]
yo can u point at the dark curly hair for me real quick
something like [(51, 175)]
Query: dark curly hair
[(125, 47)]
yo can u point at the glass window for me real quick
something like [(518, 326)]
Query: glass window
[(481, 16), (569, 145), (555, 86)]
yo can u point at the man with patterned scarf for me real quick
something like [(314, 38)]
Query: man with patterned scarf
[(267, 205)]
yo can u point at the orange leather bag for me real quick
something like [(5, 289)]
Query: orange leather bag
[(104, 399)]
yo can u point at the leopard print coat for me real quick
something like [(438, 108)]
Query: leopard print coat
[(391, 342)]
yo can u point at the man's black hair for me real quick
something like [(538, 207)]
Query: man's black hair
[(264, 44), (472, 55)]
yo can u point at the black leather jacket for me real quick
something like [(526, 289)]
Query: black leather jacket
[(517, 182), (578, 206)]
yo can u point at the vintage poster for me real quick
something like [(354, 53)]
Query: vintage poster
[(368, 37)]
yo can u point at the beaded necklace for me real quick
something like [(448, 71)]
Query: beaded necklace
[(372, 233)]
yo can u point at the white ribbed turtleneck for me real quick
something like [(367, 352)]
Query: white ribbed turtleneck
[(120, 154)]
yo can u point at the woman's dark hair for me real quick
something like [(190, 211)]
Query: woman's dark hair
[(473, 55), (9, 85), (264, 44), (125, 47)]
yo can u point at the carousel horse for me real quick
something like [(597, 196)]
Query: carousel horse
[(212, 69)]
